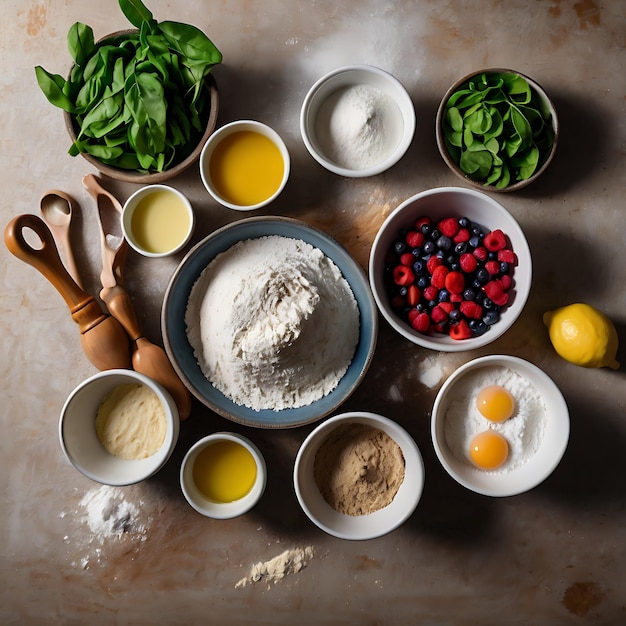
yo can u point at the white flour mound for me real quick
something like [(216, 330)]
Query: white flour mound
[(273, 323)]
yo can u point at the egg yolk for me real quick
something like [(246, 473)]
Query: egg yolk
[(495, 403), (489, 450)]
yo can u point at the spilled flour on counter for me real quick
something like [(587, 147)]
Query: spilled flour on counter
[(274, 570), (106, 516)]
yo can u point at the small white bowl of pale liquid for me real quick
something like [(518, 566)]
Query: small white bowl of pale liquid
[(157, 220)]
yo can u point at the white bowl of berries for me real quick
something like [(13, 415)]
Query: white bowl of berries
[(450, 269)]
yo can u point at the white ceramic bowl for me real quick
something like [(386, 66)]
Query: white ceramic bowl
[(452, 202), (79, 440), (359, 527), (546, 159), (182, 355), (160, 220), (318, 99), (221, 510), (543, 458), (214, 141)]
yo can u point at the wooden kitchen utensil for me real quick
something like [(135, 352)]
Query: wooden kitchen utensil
[(103, 338), (147, 357)]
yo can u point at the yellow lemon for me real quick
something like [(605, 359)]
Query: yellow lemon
[(583, 335)]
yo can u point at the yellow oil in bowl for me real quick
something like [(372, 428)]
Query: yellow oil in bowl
[(246, 168), (224, 471), (160, 222)]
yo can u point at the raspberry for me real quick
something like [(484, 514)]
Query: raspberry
[(430, 293), (446, 306), (471, 309), (421, 322), (433, 263), (414, 239), (494, 291), (412, 314), (481, 253), (462, 236), (403, 275), (456, 297), (495, 240), (455, 282), (438, 315), (438, 279), (505, 282), (448, 226), (420, 221), (493, 267), (413, 295), (468, 262), (507, 256), (407, 259), (461, 330)]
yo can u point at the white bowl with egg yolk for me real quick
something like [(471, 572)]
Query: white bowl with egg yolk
[(81, 444), (542, 454)]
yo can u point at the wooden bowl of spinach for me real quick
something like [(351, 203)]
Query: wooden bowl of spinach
[(138, 104), (497, 130)]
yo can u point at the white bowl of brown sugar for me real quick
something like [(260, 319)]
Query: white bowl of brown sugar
[(358, 475)]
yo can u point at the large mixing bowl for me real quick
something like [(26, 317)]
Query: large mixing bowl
[(181, 352)]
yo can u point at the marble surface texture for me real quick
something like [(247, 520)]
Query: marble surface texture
[(555, 555)]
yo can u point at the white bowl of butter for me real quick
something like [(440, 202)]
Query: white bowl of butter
[(118, 427), (157, 220)]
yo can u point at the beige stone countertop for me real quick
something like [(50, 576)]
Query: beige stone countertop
[(555, 555)]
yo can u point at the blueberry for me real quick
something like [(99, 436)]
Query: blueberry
[(429, 247), (435, 233), (488, 303), (444, 243), (416, 252), (425, 229), (504, 267), (475, 229), (491, 317), (476, 283), (432, 304), (474, 241), (455, 267), (482, 275), (399, 247), (464, 222), (418, 267), (451, 259), (443, 295), (480, 297), (455, 315), (422, 282), (492, 256), (469, 294), (403, 291), (461, 248), (478, 327)]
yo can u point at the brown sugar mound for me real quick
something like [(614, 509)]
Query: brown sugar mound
[(358, 469)]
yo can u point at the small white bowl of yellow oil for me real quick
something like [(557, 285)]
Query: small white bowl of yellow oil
[(245, 165), (157, 220), (223, 475)]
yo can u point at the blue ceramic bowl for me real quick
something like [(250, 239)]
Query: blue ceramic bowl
[(181, 353)]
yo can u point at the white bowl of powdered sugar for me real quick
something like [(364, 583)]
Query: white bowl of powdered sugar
[(357, 121), (500, 425), (270, 323)]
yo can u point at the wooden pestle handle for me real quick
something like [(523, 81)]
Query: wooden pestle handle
[(147, 358), (103, 339)]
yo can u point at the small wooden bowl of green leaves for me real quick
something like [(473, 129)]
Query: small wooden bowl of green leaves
[(138, 104), (497, 130)]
